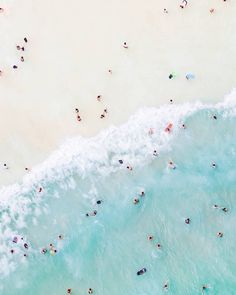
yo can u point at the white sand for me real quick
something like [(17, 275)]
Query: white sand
[(72, 44)]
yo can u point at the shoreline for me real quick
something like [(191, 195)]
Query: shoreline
[(66, 67), (134, 142)]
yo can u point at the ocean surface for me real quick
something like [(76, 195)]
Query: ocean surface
[(105, 251)]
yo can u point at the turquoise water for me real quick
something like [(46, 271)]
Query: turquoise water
[(105, 251)]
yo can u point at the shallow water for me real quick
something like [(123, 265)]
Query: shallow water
[(105, 251)]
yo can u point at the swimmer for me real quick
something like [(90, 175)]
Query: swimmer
[(212, 10), (77, 111), (94, 213), (44, 251), (22, 58), (171, 165), (90, 291), (53, 252), (105, 111), (15, 240), (60, 237), (121, 161), (135, 201), (18, 47), (171, 76), (79, 118), (171, 101), (1, 9), (155, 153), (99, 202), (25, 255), (69, 291), (214, 117), (40, 190), (213, 165), (27, 169), (99, 97), (150, 238), (23, 48), (26, 246), (1, 72), (225, 209), (220, 234), (125, 45), (187, 221), (142, 193), (165, 286), (215, 206), (110, 71), (129, 168), (183, 126), (102, 116), (141, 271), (204, 287), (15, 67), (165, 10), (26, 40), (12, 251), (159, 246)]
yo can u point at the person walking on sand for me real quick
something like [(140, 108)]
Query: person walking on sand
[(78, 116), (5, 166), (125, 45), (184, 4), (104, 114)]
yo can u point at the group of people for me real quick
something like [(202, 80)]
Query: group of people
[(69, 291), (184, 4), (21, 48), (19, 240)]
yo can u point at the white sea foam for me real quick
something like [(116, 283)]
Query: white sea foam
[(100, 155)]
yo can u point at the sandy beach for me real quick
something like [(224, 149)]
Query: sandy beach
[(71, 46)]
